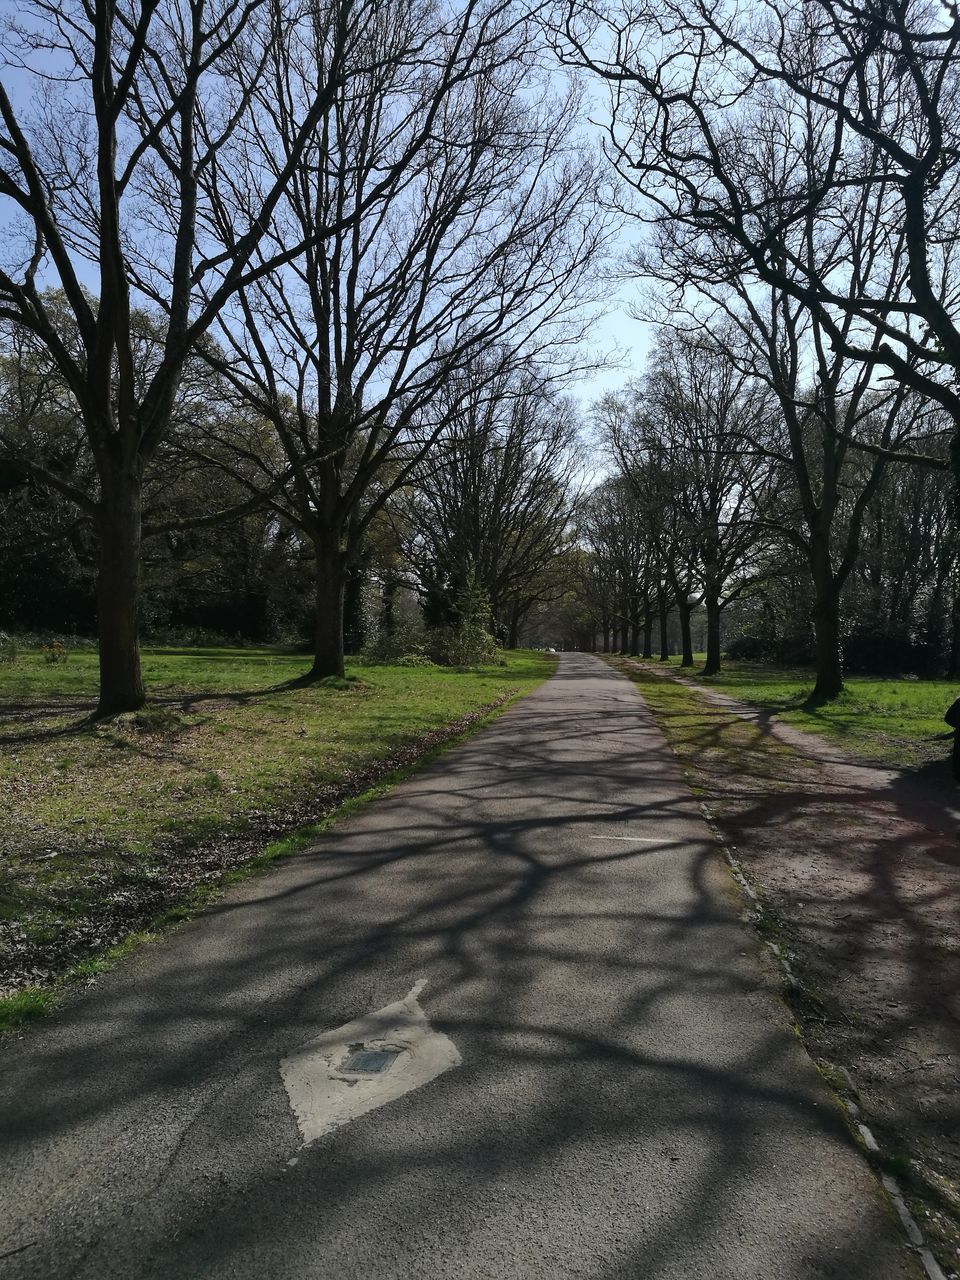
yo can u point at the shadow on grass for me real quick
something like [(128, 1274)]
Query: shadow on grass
[(831, 723), (37, 712)]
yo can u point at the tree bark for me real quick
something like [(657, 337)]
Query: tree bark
[(387, 601), (514, 632), (634, 635), (934, 631), (686, 639), (606, 636), (953, 661), (663, 612), (328, 627), (826, 624), (647, 631), (353, 629), (118, 592), (712, 665)]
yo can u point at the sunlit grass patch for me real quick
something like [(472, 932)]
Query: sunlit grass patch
[(24, 1006), (897, 721), (101, 818), (707, 736)]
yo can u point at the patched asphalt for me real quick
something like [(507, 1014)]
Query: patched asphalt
[(631, 1100)]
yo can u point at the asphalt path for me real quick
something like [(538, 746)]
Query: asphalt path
[(630, 1100)]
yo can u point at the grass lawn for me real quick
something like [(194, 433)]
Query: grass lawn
[(893, 721), (702, 737), (107, 825)]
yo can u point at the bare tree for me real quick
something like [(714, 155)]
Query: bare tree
[(593, 594), (827, 484), (685, 439), (625, 572), (494, 501), (665, 555), (744, 126), (756, 191), (467, 230), (125, 112), (836, 429), (903, 592)]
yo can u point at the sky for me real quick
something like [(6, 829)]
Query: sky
[(619, 332), (622, 338)]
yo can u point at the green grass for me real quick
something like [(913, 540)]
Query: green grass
[(100, 817), (705, 737), (896, 721), (25, 1006)]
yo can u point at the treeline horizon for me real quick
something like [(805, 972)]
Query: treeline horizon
[(699, 516)]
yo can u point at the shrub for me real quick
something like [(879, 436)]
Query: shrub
[(793, 649), (463, 646), (469, 643), (872, 650), (8, 648), (405, 644), (25, 640), (749, 648), (195, 638), (55, 652)]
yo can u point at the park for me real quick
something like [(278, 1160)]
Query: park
[(479, 640)]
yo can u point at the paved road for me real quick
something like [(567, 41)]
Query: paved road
[(630, 1101)]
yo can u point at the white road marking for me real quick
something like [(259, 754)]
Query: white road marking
[(323, 1098), (635, 839)]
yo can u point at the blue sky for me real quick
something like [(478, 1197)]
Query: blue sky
[(618, 330)]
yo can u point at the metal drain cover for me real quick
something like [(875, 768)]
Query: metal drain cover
[(368, 1062)]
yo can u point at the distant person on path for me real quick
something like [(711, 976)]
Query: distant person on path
[(953, 720)]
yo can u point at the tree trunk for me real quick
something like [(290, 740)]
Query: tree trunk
[(514, 632), (712, 604), (647, 631), (934, 631), (686, 639), (634, 635), (353, 629), (606, 636), (826, 625), (118, 593), (663, 611), (953, 661), (387, 601), (328, 628)]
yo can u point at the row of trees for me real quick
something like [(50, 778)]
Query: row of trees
[(327, 268), (701, 514), (259, 240), (798, 165), (723, 492), (488, 514)]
